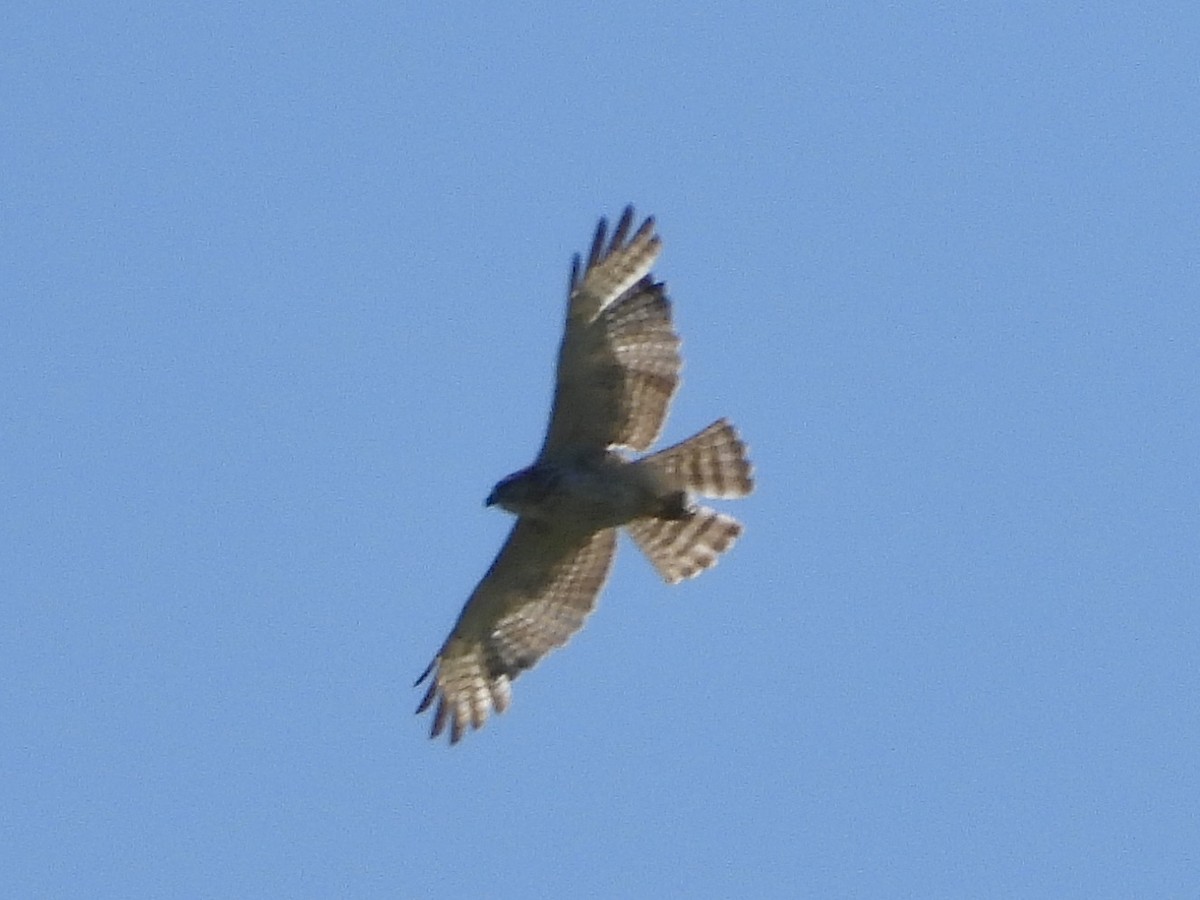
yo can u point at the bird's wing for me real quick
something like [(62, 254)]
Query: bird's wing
[(537, 593), (618, 365)]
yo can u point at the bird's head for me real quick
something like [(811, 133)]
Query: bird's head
[(522, 493)]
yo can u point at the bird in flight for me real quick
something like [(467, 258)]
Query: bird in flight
[(618, 368)]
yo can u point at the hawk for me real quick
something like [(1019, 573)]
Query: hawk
[(618, 368)]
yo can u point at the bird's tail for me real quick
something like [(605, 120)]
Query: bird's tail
[(686, 539)]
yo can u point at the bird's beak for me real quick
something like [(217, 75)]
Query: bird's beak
[(491, 499)]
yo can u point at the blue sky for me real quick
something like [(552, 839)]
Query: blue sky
[(279, 299)]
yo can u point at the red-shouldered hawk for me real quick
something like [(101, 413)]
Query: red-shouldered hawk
[(618, 368)]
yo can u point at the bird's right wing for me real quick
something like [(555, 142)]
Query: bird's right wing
[(537, 593)]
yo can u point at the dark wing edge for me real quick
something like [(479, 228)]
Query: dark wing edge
[(612, 269), (536, 595)]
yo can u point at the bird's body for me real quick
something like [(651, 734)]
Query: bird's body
[(618, 368), (592, 492)]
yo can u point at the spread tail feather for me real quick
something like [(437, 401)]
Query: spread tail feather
[(683, 548), (685, 540), (712, 463)]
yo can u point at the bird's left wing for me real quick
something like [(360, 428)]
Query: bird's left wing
[(537, 593), (618, 365)]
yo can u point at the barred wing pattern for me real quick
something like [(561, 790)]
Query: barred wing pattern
[(618, 366), (537, 593)]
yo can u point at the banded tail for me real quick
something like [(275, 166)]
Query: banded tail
[(684, 543)]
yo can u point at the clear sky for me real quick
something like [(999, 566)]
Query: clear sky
[(279, 301)]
